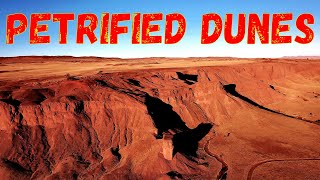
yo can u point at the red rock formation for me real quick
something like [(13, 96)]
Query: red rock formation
[(167, 146), (110, 125)]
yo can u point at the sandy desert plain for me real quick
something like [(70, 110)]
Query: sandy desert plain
[(159, 118)]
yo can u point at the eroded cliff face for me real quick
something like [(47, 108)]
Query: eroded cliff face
[(112, 126)]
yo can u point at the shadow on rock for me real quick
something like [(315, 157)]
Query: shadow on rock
[(187, 142), (184, 140), (163, 116), (188, 78)]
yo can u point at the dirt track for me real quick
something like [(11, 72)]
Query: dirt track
[(224, 166), (251, 171)]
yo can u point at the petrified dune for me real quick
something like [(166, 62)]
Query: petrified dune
[(158, 118)]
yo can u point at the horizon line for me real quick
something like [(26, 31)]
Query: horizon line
[(146, 57)]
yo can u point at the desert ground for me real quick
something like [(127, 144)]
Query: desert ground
[(159, 118)]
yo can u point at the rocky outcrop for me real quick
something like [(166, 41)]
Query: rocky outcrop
[(154, 124)]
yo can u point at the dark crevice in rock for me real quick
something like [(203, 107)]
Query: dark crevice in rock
[(163, 116), (5, 94), (79, 107), (75, 175), (13, 102), (46, 92), (188, 78), (231, 89), (272, 87), (115, 152), (81, 160), (35, 96), (135, 82), (186, 142), (174, 175), (15, 166), (101, 83), (224, 174)]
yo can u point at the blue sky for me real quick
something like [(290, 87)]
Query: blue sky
[(189, 46)]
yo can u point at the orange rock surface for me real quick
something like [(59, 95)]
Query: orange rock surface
[(95, 118)]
